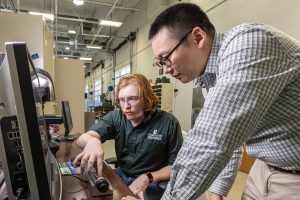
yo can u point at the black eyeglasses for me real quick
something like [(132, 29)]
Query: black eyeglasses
[(165, 61)]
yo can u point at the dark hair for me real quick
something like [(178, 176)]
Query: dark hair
[(146, 93), (181, 18)]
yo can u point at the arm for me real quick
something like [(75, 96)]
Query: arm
[(214, 196), (92, 151), (223, 183), (91, 141), (174, 138), (141, 183)]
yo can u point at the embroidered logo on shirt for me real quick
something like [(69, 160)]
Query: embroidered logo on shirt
[(154, 136)]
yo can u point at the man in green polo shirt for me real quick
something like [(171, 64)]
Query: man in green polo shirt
[(147, 139)]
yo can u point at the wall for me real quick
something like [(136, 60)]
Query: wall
[(48, 48), (281, 14), (69, 85), (23, 27)]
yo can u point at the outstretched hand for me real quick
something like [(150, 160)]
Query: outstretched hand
[(92, 154), (129, 198), (139, 185)]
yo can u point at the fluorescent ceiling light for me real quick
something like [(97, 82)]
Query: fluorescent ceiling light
[(71, 31), (6, 10), (110, 23), (71, 42), (93, 47), (78, 2), (67, 48), (85, 58), (103, 36), (45, 15)]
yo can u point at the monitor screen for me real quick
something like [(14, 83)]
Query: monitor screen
[(68, 124), (29, 166)]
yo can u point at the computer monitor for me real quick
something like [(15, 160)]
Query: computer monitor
[(31, 171), (68, 124)]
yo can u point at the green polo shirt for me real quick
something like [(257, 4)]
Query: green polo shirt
[(148, 147)]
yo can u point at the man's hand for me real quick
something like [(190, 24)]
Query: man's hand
[(91, 154), (214, 196), (129, 198), (139, 185)]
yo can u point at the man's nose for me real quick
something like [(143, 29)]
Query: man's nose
[(167, 70), (126, 104)]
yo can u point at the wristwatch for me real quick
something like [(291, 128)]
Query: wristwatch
[(150, 177)]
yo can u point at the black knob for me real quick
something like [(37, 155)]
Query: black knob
[(102, 184)]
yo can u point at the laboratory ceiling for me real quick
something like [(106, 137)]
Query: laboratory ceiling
[(77, 29)]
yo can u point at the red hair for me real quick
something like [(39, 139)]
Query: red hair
[(147, 96)]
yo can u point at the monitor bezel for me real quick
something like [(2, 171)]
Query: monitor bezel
[(67, 117), (38, 179)]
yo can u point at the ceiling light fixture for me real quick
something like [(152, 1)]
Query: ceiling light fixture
[(67, 48), (110, 23), (71, 42), (93, 47), (78, 2), (85, 58), (71, 31), (45, 15)]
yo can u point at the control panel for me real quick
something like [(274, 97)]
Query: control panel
[(13, 151)]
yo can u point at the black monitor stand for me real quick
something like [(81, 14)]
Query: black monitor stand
[(52, 119), (66, 137), (68, 124)]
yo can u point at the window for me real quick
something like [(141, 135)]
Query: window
[(97, 90), (120, 73)]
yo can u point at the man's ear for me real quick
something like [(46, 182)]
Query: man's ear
[(199, 36)]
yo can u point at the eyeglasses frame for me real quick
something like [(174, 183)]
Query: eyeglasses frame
[(167, 57)]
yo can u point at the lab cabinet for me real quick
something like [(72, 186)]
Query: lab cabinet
[(165, 93)]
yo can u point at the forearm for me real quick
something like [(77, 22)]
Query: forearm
[(85, 137), (162, 175), (224, 181), (214, 196)]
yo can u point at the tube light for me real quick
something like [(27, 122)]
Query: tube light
[(78, 2), (93, 47), (71, 31), (45, 15), (85, 58), (110, 23)]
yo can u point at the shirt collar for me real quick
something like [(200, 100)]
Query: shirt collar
[(209, 76), (148, 117)]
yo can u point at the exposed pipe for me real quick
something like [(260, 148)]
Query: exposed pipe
[(90, 35), (78, 20), (218, 4), (108, 14), (13, 6), (55, 4), (116, 7)]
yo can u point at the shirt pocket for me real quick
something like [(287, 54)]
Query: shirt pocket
[(152, 145)]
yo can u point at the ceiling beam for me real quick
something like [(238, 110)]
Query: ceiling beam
[(110, 5)]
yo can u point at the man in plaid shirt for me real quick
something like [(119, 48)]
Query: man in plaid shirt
[(253, 76)]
